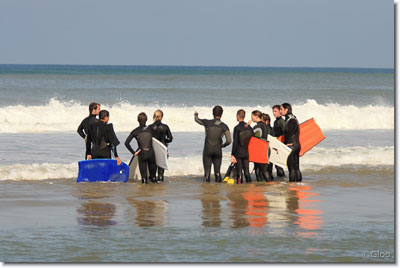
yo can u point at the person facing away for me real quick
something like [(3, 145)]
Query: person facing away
[(144, 136), (101, 139), (260, 131), (279, 129), (240, 152), (212, 153), (291, 136), (83, 128), (163, 134)]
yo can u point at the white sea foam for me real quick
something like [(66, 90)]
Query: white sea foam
[(315, 159), (66, 116)]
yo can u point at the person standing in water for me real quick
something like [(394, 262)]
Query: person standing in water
[(270, 131), (279, 130), (240, 152), (260, 131), (83, 128), (101, 139), (161, 133), (144, 136), (291, 135), (212, 152)]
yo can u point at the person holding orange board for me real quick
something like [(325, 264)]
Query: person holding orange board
[(291, 136)]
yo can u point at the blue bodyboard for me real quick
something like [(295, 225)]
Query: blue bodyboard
[(102, 170)]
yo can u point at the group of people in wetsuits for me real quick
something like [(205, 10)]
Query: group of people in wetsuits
[(101, 141)]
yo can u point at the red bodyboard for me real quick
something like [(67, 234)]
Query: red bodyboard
[(258, 150), (310, 135)]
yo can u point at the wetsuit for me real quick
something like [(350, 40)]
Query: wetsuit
[(292, 137), (83, 128), (279, 130), (212, 152), (144, 135), (241, 137), (101, 140), (163, 134), (263, 171)]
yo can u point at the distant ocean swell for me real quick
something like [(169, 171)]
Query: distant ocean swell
[(61, 116), (319, 159)]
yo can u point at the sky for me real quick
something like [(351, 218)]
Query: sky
[(271, 33)]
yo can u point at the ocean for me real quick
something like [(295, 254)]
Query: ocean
[(343, 211)]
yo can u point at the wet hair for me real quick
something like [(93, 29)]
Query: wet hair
[(103, 114), (217, 111), (265, 118), (142, 118), (241, 113), (287, 106), (158, 115), (257, 113), (276, 107), (93, 106)]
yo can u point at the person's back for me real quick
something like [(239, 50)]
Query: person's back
[(213, 144), (242, 134), (144, 136), (101, 139)]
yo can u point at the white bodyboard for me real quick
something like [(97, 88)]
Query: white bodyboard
[(161, 153), (279, 152), (134, 173)]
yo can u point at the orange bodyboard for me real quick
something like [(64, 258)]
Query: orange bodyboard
[(258, 150), (309, 136)]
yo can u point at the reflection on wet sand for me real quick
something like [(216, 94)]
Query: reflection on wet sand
[(238, 205), (149, 212), (257, 205), (211, 212), (96, 213), (303, 208)]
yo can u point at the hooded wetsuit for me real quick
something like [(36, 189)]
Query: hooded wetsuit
[(292, 131), (163, 134), (241, 138), (83, 128), (144, 135), (101, 140), (263, 171), (279, 130), (212, 152)]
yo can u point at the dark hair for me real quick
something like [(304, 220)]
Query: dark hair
[(103, 114), (257, 113), (276, 107), (241, 113), (142, 118), (93, 106), (217, 111), (265, 118), (287, 106)]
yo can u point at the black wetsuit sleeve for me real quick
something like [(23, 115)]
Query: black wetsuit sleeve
[(235, 140), (89, 144), (128, 141), (282, 126), (198, 120), (168, 136), (80, 129), (227, 137)]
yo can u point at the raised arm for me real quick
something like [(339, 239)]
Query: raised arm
[(197, 119)]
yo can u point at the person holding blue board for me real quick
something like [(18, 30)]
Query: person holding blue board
[(163, 134), (101, 139), (212, 152), (144, 136)]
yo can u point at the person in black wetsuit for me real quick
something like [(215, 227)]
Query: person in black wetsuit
[(83, 128), (212, 152), (267, 121), (161, 133), (240, 152), (291, 135), (144, 135), (261, 131), (101, 139), (279, 130)]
